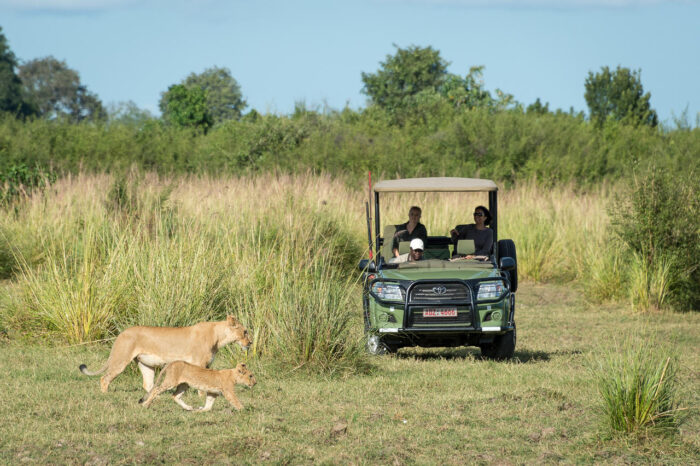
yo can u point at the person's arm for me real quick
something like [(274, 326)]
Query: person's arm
[(455, 234)]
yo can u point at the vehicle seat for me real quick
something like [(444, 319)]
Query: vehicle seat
[(465, 247), (436, 253), (388, 240)]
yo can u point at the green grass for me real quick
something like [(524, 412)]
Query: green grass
[(638, 382), (93, 254), (421, 406)]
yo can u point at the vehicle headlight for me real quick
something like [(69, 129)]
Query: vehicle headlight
[(387, 291), (490, 290)]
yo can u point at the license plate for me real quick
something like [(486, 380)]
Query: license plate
[(439, 312)]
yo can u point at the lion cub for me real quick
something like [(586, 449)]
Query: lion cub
[(183, 375)]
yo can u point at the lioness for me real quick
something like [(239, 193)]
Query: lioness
[(156, 346), (183, 375)]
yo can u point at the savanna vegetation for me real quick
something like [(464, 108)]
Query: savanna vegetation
[(116, 218), (93, 254)]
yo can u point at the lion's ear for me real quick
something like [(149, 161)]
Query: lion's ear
[(231, 320)]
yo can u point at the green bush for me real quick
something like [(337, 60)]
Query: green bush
[(438, 139), (19, 179), (657, 221)]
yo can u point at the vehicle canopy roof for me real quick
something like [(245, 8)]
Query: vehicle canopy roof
[(437, 184)]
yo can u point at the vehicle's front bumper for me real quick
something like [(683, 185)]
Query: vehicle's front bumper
[(434, 329)]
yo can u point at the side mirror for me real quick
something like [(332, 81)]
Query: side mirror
[(507, 263), (368, 265)]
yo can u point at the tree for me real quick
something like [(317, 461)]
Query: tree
[(186, 107), (128, 113), (56, 91), (469, 92), (11, 93), (537, 107), (618, 95), (224, 98), (405, 74)]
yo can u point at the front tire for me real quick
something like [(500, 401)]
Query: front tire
[(502, 347)]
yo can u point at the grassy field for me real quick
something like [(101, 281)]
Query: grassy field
[(418, 407), (93, 254)]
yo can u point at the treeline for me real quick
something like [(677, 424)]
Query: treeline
[(506, 145), (421, 120)]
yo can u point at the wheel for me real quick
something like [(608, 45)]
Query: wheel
[(506, 248), (375, 346), (502, 347)]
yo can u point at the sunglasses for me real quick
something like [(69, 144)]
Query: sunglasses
[(478, 214)]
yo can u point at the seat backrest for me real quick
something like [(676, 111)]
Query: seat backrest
[(465, 247), (388, 238), (436, 253), (404, 247)]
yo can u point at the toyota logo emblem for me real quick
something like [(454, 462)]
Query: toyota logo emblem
[(439, 290)]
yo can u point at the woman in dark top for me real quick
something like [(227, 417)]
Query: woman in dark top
[(477, 231), (410, 230)]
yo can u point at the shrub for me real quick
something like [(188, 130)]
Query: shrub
[(657, 220), (19, 180)]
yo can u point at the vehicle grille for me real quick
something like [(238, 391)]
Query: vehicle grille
[(440, 292)]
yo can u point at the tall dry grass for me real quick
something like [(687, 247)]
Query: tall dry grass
[(112, 253), (94, 254)]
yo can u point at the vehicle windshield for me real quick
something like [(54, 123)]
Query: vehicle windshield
[(443, 264)]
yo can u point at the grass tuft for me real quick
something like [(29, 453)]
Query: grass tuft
[(638, 382)]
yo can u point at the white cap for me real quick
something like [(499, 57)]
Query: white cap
[(417, 243)]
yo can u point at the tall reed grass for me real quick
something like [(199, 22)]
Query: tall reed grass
[(143, 250), (94, 254), (80, 288)]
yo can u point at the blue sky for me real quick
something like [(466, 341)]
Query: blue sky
[(282, 52)]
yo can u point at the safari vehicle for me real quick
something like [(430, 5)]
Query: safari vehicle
[(440, 301)]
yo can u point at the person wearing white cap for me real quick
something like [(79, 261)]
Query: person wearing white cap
[(415, 253)]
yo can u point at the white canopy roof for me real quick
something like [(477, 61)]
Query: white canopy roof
[(443, 184)]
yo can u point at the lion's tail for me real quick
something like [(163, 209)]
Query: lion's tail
[(161, 374), (83, 368), (156, 383)]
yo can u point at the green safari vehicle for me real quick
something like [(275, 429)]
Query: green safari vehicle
[(439, 301)]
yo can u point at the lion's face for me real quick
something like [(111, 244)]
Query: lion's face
[(237, 332), (243, 375)]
